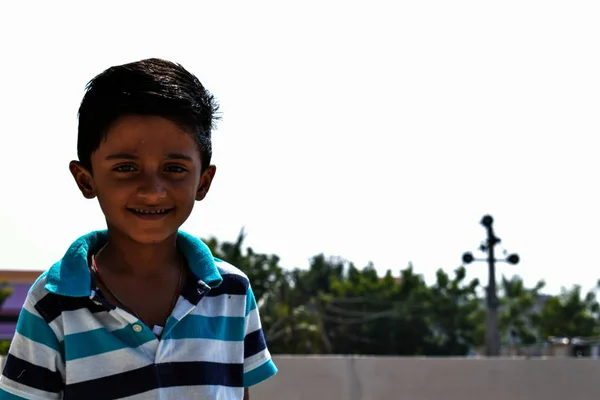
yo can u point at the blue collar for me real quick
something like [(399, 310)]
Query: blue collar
[(71, 275)]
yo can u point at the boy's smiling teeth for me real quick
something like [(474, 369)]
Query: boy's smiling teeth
[(140, 211)]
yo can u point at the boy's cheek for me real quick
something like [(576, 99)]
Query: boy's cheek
[(111, 203)]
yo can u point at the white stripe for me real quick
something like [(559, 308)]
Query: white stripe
[(253, 321), (38, 291), (225, 305), (36, 353), (58, 328), (83, 320), (182, 308), (26, 392), (29, 305), (256, 360), (227, 269), (111, 363), (124, 315), (181, 350)]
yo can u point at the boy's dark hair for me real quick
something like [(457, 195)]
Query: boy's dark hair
[(147, 87)]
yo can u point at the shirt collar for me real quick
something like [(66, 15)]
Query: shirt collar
[(71, 275)]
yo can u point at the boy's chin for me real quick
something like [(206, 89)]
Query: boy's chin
[(147, 236), (151, 238)]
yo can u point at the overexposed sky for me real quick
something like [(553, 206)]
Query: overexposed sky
[(377, 131)]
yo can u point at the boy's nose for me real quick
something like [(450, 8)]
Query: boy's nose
[(151, 188)]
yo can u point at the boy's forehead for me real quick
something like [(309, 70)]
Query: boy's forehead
[(147, 134)]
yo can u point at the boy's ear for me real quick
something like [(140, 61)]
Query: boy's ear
[(83, 179), (205, 182)]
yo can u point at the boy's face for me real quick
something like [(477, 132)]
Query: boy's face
[(147, 176)]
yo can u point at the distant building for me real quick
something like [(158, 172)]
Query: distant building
[(20, 281)]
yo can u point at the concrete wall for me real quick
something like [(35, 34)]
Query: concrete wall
[(371, 378), (394, 378)]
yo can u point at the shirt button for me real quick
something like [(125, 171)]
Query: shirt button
[(137, 328)]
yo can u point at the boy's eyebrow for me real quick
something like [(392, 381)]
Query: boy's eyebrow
[(179, 156), (131, 156), (122, 156)]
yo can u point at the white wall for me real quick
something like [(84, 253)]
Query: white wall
[(371, 378)]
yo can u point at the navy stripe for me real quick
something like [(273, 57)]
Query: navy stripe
[(254, 343), (155, 376), (52, 305), (232, 284), (192, 291), (201, 373), (32, 375), (99, 296)]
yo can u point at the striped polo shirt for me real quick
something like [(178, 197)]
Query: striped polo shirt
[(70, 343)]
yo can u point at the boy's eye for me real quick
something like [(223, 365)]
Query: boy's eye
[(175, 169), (124, 168)]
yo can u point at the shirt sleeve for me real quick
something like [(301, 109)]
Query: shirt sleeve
[(34, 366), (258, 365)]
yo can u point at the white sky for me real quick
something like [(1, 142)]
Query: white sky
[(367, 130)]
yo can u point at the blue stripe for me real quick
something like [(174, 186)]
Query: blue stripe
[(215, 328), (250, 301), (99, 341), (171, 322), (35, 328), (257, 375), (4, 395)]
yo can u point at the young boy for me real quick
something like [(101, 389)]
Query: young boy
[(141, 310)]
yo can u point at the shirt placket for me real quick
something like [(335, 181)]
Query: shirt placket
[(146, 339)]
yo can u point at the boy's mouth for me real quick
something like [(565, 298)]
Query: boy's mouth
[(150, 213)]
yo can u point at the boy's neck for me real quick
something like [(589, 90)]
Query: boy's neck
[(121, 255)]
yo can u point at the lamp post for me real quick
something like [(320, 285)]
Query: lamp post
[(492, 336)]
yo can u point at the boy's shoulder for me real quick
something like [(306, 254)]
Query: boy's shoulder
[(235, 281), (228, 269), (47, 304), (38, 290)]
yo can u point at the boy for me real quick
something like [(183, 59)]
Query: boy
[(141, 310)]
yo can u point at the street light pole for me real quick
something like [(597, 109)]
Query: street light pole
[(492, 334)]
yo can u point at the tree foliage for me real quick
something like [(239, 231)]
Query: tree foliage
[(334, 307)]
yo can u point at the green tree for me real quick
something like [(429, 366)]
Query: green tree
[(517, 309), (305, 325), (5, 292), (333, 307), (283, 298), (570, 314), (367, 314), (455, 314)]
